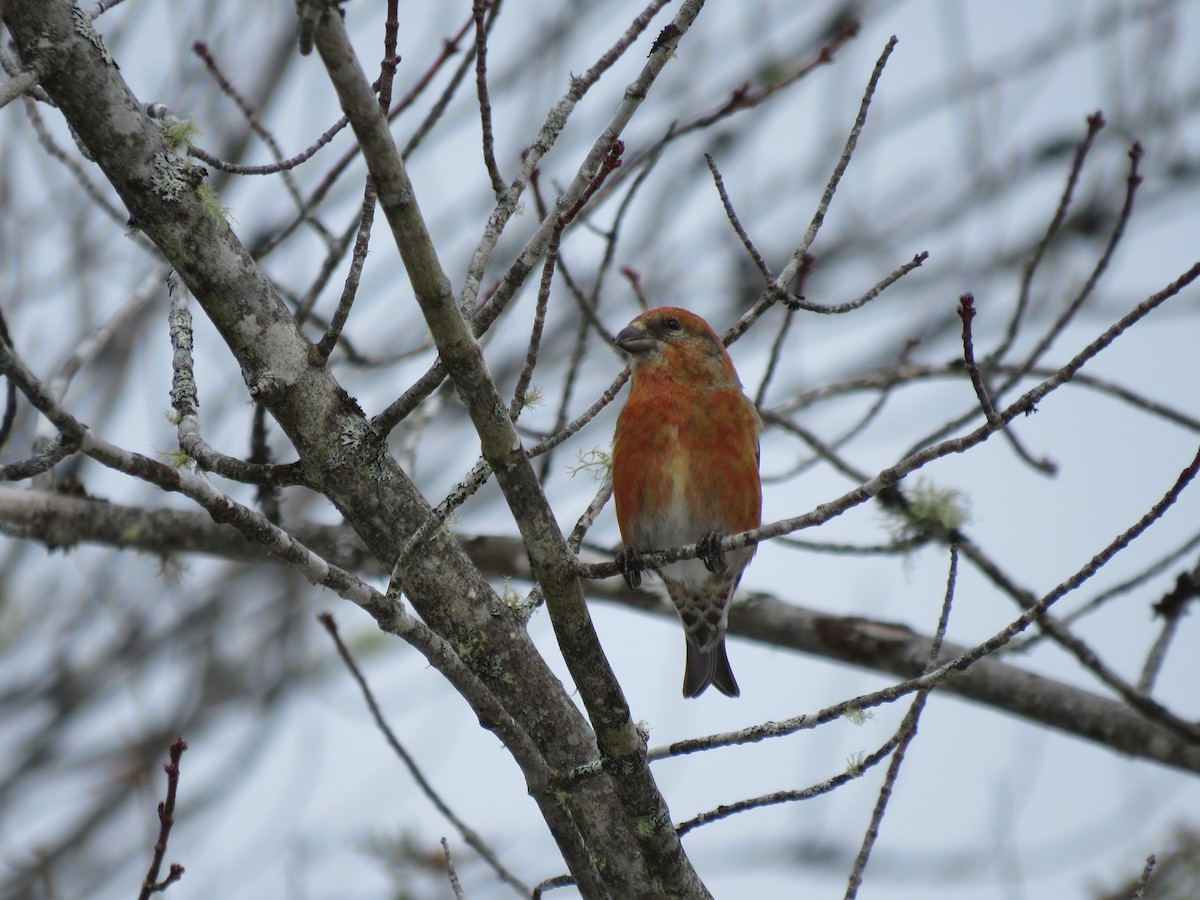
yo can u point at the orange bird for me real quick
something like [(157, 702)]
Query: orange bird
[(685, 471)]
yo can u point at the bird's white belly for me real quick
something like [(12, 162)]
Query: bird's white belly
[(675, 525)]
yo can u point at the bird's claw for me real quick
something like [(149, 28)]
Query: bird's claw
[(629, 568), (710, 553)]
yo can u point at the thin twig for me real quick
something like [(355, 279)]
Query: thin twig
[(520, 392), (558, 881), (479, 8), (779, 288), (857, 769), (827, 451), (334, 254), (839, 170), (390, 60), (634, 277), (449, 48), (1095, 122), (635, 93), (837, 309), (463, 491), (468, 834), (94, 193), (1123, 587), (611, 162), (282, 165), (443, 101), (966, 659), (586, 416), (610, 249), (250, 114), (1144, 881), (452, 874), (905, 735), (1132, 182), (483, 470), (186, 406), (14, 69), (323, 188), (777, 345), (896, 548), (10, 391), (337, 248), (17, 86), (908, 372), (732, 216), (44, 460), (1171, 609), (914, 461), (166, 818), (966, 312), (358, 258), (746, 97), (113, 330)]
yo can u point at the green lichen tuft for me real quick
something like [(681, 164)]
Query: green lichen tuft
[(510, 596), (179, 133), (598, 462), (211, 203), (533, 397), (446, 529), (179, 459), (857, 716), (930, 510)]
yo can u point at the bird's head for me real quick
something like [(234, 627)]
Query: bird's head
[(672, 342)]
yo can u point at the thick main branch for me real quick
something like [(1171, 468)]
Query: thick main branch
[(338, 449), (658, 858)]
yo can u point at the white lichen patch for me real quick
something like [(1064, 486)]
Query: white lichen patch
[(353, 434), (83, 27), (171, 178)]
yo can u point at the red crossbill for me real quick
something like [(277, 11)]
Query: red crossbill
[(685, 471)]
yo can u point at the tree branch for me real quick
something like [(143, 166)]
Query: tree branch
[(659, 857), (61, 521)]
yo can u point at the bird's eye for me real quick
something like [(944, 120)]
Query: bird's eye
[(671, 324)]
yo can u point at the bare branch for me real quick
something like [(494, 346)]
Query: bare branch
[(966, 312), (18, 85), (185, 404), (915, 461), (480, 10), (166, 819), (452, 874), (468, 834), (779, 287), (1095, 122), (58, 520), (904, 736)]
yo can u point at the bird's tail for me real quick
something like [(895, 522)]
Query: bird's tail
[(708, 666)]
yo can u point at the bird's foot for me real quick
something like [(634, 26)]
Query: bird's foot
[(710, 552), (630, 568)]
